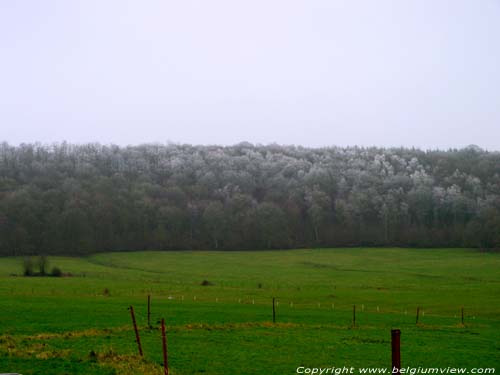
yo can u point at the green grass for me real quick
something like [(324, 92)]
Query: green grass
[(69, 326)]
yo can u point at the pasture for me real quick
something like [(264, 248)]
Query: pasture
[(81, 325)]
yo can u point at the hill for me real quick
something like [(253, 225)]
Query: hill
[(78, 199)]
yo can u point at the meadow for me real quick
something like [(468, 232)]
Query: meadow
[(80, 324)]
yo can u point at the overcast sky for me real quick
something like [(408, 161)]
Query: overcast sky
[(422, 73)]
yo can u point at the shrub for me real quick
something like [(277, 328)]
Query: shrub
[(56, 272), (43, 264), (28, 266)]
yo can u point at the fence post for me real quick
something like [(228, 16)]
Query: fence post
[(164, 342), (149, 310), (137, 338), (462, 315), (418, 314), (396, 350), (274, 311), (354, 315)]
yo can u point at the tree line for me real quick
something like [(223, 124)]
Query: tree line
[(79, 199)]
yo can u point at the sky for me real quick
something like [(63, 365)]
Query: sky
[(413, 73)]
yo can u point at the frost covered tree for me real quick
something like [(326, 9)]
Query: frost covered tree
[(78, 199)]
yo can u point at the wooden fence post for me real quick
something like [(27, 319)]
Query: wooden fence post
[(418, 314), (354, 315), (274, 311), (164, 342), (396, 350), (137, 338), (462, 315), (149, 310)]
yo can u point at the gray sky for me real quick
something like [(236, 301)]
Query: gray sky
[(422, 73)]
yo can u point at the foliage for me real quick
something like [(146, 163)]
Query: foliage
[(78, 199), (43, 264), (56, 272), (28, 266)]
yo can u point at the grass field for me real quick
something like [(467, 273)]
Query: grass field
[(69, 325)]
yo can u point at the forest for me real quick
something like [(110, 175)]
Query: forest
[(81, 199)]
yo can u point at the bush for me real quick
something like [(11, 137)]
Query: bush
[(43, 264), (28, 266), (56, 272)]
